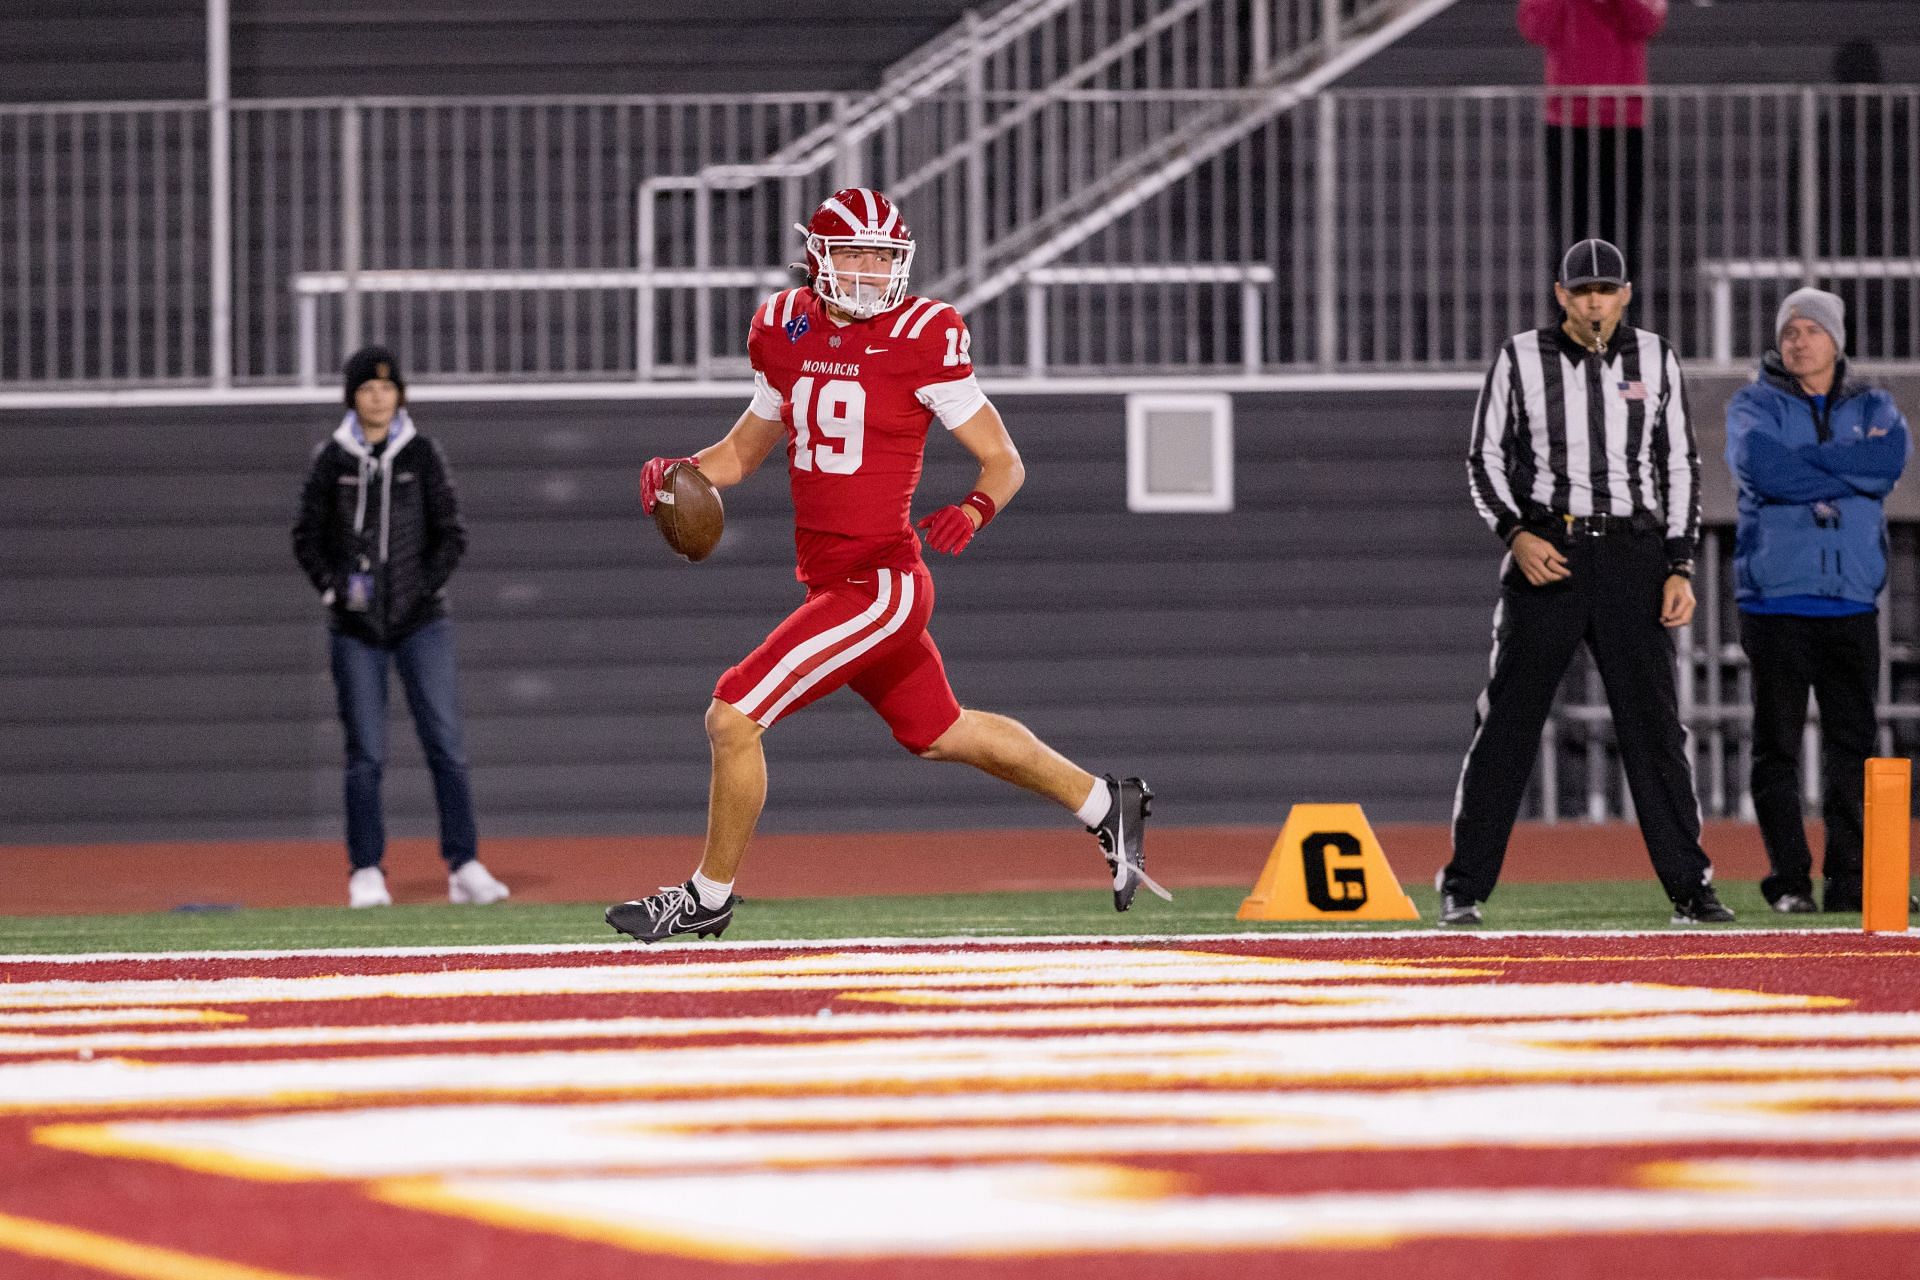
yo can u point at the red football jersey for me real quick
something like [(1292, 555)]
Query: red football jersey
[(856, 400)]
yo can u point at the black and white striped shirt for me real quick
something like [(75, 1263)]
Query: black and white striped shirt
[(1562, 431)]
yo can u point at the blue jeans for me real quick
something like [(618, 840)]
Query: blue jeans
[(425, 660)]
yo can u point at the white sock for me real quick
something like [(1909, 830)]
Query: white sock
[(1099, 803), (713, 893)]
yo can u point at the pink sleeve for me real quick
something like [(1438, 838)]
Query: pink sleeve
[(1642, 18), (1540, 21)]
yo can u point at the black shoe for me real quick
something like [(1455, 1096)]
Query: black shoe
[(1795, 904), (675, 909), (1840, 896), (1122, 833), (1457, 910), (1704, 907)]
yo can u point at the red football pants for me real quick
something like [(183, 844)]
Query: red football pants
[(868, 632)]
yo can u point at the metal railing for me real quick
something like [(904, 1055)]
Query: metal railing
[(106, 228), (104, 244), (1412, 228), (1252, 278), (1405, 229), (1042, 123), (1715, 694)]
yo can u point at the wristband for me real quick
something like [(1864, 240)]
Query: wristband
[(981, 504), (1680, 569)]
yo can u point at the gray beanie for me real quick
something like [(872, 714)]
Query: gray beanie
[(1819, 306)]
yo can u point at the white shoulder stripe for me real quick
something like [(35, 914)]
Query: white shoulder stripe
[(766, 312), (930, 313), (786, 312), (907, 316)]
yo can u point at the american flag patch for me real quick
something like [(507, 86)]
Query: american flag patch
[(1633, 390)]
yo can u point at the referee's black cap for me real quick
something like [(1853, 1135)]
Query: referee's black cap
[(1592, 262)]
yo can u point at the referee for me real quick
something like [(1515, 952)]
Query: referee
[(1583, 462)]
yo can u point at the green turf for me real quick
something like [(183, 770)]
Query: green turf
[(1623, 905)]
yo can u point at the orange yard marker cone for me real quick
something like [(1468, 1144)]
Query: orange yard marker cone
[(1888, 853), (1327, 865)]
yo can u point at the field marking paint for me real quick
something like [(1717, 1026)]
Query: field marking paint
[(659, 1237), (829, 971), (53, 1242), (1267, 1004), (1852, 1176), (135, 1142), (822, 1132), (1017, 1209), (1462, 940), (63, 1019), (1403, 1056), (879, 1133)]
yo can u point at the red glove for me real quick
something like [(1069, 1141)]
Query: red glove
[(949, 530), (652, 476)]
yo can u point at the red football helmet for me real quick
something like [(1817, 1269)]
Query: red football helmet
[(858, 216)]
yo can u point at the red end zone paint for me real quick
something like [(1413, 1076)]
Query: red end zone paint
[(1724, 1105)]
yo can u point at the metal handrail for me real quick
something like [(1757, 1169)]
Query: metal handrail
[(1250, 276), (309, 286), (1186, 150)]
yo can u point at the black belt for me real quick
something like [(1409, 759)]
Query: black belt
[(1602, 526)]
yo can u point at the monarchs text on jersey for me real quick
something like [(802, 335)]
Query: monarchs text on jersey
[(856, 400)]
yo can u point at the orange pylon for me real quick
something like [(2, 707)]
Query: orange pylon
[(1888, 855)]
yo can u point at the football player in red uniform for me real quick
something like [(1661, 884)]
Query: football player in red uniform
[(849, 372)]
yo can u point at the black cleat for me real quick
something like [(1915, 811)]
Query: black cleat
[(1458, 910), (1704, 907), (1121, 835), (1795, 904), (675, 909)]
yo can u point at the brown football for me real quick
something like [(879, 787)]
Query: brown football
[(689, 512)]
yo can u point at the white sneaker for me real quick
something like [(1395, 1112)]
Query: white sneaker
[(367, 887), (474, 885)]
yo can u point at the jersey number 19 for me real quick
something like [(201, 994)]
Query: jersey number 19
[(839, 416)]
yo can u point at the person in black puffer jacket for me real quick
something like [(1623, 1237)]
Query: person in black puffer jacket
[(379, 535)]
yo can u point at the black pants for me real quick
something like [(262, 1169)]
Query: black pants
[(1612, 604), (1839, 660), (1595, 179)]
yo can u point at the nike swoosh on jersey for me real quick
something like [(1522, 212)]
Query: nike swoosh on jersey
[(874, 351)]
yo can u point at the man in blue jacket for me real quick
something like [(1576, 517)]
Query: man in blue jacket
[(1814, 456)]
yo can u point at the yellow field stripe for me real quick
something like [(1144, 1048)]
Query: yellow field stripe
[(117, 1257)]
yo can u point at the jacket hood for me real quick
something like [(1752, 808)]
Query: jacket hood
[(1774, 370), (348, 436)]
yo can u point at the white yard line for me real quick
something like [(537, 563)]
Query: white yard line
[(958, 940)]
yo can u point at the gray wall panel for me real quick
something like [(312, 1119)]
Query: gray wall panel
[(162, 660)]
